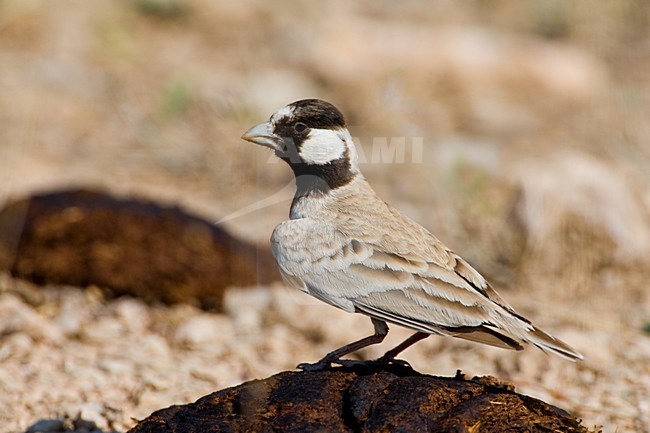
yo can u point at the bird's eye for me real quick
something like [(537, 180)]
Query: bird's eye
[(299, 127)]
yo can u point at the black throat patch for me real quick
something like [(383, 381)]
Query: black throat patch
[(320, 179)]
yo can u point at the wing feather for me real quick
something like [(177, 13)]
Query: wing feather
[(391, 268)]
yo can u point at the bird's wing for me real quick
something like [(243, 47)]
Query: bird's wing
[(447, 294), (418, 285), (399, 287), (453, 300), (402, 243)]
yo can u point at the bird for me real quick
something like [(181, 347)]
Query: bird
[(345, 246)]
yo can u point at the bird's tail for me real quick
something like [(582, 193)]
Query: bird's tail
[(549, 343)]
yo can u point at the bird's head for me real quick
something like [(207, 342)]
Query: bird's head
[(311, 136)]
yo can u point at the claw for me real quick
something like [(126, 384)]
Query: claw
[(389, 360), (321, 365), (400, 362)]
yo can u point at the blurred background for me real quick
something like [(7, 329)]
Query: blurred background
[(521, 138)]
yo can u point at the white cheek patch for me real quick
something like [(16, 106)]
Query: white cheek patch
[(322, 146)]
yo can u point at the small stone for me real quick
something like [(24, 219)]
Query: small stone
[(116, 366), (133, 314), (83, 425), (46, 426), (202, 329), (90, 411), (19, 317)]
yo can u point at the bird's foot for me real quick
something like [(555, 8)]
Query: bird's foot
[(326, 363), (321, 365), (390, 360)]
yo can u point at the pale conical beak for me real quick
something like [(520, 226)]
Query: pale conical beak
[(263, 135)]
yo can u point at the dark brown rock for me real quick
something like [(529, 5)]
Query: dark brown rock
[(367, 398), (126, 246)]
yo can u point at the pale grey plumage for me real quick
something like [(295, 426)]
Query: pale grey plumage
[(354, 251), (348, 248)]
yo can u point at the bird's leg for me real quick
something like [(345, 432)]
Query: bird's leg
[(381, 330), (389, 357)]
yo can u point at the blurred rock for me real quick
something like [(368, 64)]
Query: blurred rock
[(567, 185), (18, 317), (366, 399), (46, 425), (126, 246), (202, 330), (584, 225)]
